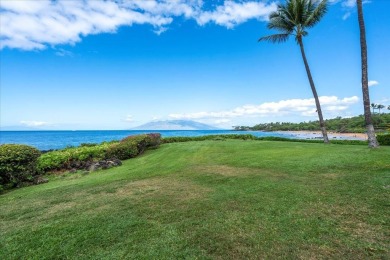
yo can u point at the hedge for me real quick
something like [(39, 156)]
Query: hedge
[(384, 139), (132, 146), (17, 164), (63, 159)]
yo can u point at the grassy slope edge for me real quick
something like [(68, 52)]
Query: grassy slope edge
[(210, 199)]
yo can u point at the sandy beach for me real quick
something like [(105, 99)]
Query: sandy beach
[(331, 135)]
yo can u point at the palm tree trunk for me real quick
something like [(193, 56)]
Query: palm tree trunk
[(313, 89), (372, 142)]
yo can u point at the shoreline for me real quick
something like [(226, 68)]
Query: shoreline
[(331, 135)]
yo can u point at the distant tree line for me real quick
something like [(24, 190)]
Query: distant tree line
[(342, 125), (378, 107)]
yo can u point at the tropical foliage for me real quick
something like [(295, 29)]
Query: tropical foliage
[(342, 125), (17, 164), (21, 163), (63, 159)]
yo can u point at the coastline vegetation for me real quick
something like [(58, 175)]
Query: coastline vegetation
[(354, 124), (22, 165), (215, 199)]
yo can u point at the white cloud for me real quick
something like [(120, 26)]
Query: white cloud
[(302, 107), (232, 13), (34, 123), (160, 30), (346, 15), (129, 118), (373, 83), (32, 25), (62, 53), (222, 121), (349, 3)]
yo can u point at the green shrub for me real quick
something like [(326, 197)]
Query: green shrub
[(384, 139), (63, 159), (131, 146), (153, 140), (123, 150), (88, 144), (78, 157), (17, 164)]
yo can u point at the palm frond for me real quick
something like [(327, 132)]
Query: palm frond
[(290, 11), (299, 10), (293, 18), (281, 24), (275, 38), (316, 14)]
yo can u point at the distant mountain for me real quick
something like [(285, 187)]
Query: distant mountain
[(175, 125)]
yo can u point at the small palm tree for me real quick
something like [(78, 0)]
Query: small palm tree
[(379, 107), (293, 19), (372, 141), (374, 106)]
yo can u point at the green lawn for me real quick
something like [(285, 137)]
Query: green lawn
[(210, 200)]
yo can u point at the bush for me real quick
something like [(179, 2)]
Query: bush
[(153, 140), (76, 157), (123, 150), (17, 164), (133, 145), (384, 139), (64, 159), (88, 144)]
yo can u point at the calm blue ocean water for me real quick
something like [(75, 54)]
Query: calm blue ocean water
[(45, 140)]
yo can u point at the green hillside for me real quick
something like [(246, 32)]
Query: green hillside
[(222, 199)]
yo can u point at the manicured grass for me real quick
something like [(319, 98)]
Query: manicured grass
[(229, 199)]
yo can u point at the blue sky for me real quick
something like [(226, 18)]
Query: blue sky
[(116, 65)]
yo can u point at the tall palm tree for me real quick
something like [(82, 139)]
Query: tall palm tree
[(372, 142), (293, 19)]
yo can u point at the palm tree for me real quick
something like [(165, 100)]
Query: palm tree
[(294, 18), (374, 106), (379, 107), (372, 142)]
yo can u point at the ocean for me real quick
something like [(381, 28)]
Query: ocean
[(46, 140)]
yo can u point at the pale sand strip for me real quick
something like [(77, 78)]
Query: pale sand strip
[(331, 135)]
